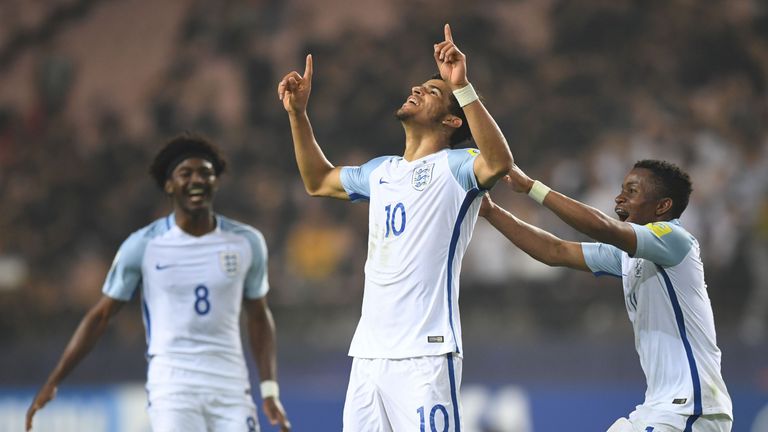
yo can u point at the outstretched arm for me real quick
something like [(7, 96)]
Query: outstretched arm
[(495, 158), (320, 177), (539, 244), (89, 331), (584, 218), (261, 335)]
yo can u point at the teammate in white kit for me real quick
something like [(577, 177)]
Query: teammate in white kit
[(406, 370), (194, 270), (664, 289)]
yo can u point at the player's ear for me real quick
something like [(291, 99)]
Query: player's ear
[(663, 205), (168, 188), (452, 121)]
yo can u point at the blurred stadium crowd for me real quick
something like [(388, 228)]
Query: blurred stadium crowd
[(90, 89)]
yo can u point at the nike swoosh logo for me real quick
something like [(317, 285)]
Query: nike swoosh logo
[(163, 267), (382, 181)]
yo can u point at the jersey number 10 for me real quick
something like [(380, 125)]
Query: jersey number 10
[(392, 215)]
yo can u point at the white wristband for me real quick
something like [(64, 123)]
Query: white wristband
[(465, 95), (538, 191), (270, 389)]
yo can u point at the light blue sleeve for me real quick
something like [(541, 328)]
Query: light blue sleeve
[(356, 179), (124, 276), (602, 259), (663, 243), (462, 163), (256, 281)]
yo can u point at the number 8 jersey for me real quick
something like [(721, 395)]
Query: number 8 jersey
[(421, 218), (192, 290)]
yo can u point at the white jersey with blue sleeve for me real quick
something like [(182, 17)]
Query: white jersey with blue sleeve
[(421, 218), (666, 298), (192, 290)]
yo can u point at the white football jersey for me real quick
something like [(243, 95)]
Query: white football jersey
[(666, 298), (192, 291), (421, 218)]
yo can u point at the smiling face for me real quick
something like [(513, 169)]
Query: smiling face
[(639, 201), (428, 103), (192, 185)]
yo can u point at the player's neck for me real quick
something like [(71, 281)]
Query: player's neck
[(422, 143), (195, 223)]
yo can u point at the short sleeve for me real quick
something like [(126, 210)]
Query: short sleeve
[(124, 276), (355, 180), (462, 163), (663, 243), (256, 281), (602, 259)]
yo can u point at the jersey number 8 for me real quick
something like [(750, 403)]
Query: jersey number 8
[(202, 305)]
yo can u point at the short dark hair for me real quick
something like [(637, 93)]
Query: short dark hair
[(181, 147), (671, 182), (462, 134)]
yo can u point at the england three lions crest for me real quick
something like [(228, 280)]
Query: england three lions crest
[(230, 262), (422, 176)]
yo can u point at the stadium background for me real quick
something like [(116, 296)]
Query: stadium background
[(90, 88)]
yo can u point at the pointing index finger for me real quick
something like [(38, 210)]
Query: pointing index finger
[(448, 35), (308, 68)]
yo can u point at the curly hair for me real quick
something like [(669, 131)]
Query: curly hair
[(182, 147), (670, 181)]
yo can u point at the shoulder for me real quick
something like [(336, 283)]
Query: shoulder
[(253, 235), (665, 243), (667, 231), (463, 153), (377, 161), (140, 237), (133, 248)]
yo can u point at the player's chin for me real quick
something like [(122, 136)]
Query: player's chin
[(402, 113), (197, 206)]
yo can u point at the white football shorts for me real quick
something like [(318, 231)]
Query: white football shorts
[(202, 412), (412, 394), (646, 419)]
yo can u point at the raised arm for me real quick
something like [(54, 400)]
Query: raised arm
[(320, 177), (495, 158), (261, 335), (89, 331), (539, 244), (584, 218)]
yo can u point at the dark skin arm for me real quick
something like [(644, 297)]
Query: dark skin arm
[(539, 244), (584, 218), (495, 158), (321, 177), (261, 336), (88, 332)]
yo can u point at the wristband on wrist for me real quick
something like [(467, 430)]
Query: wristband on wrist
[(538, 191), (465, 95), (270, 388)]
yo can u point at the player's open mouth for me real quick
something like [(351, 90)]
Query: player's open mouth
[(196, 194), (412, 100), (621, 213)]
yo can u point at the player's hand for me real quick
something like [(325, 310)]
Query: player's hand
[(45, 395), (451, 62), (294, 89), (275, 413), (487, 205), (519, 180)]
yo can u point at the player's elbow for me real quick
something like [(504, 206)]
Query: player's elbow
[(502, 165), (561, 255)]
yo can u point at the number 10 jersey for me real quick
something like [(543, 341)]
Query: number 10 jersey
[(421, 218)]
